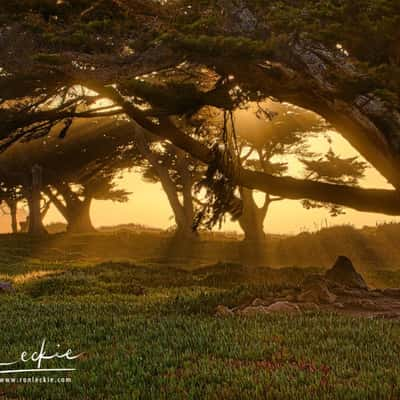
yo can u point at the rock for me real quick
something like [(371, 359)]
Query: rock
[(391, 292), (6, 287), (283, 306), (339, 305), (317, 293), (375, 293), (365, 304), (253, 310), (312, 280), (344, 273), (290, 298), (343, 292), (223, 311), (287, 292), (309, 306), (260, 302)]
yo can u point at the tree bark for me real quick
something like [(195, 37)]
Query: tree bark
[(13, 214), (36, 226), (13, 206), (79, 220), (75, 211), (252, 219), (183, 211), (253, 247)]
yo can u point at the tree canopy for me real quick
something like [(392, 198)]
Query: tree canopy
[(159, 63)]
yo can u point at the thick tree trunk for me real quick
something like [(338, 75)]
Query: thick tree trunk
[(184, 226), (13, 206), (252, 219), (183, 211), (75, 211), (79, 220), (36, 226), (13, 215)]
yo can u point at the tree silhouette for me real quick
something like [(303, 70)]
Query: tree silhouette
[(297, 55)]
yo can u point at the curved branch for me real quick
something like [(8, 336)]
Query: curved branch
[(369, 200)]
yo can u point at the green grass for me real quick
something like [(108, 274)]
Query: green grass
[(148, 332)]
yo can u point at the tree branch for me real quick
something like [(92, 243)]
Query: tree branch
[(369, 200)]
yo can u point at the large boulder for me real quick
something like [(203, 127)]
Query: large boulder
[(344, 273)]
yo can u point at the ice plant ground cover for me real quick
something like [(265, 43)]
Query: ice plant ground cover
[(148, 331)]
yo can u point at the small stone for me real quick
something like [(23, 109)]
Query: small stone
[(338, 305), (318, 293), (260, 302), (286, 292), (375, 293), (284, 306), (223, 311), (253, 310), (309, 306), (365, 304), (352, 293), (312, 280), (290, 298), (392, 292)]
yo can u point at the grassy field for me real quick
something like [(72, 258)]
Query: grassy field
[(147, 329)]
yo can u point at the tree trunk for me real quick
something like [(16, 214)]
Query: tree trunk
[(183, 211), (185, 226), (252, 219), (79, 220), (75, 211), (252, 223), (13, 214), (36, 226)]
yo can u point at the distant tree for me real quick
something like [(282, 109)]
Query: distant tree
[(73, 200), (333, 169), (71, 171), (11, 196), (286, 136), (177, 173)]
